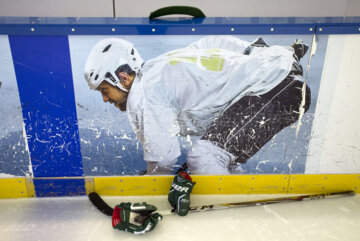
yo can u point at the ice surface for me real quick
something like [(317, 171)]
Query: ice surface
[(74, 218)]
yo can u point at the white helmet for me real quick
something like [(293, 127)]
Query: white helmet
[(106, 57)]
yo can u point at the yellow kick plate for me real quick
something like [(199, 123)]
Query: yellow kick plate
[(228, 184), (13, 188), (160, 185), (317, 183), (133, 186)]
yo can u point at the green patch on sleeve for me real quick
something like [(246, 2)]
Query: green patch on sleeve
[(177, 60), (213, 63)]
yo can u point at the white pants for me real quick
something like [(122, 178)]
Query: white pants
[(206, 158)]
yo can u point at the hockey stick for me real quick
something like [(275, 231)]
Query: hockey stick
[(100, 204), (268, 201)]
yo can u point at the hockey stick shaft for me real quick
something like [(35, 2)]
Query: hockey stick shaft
[(102, 206), (263, 202)]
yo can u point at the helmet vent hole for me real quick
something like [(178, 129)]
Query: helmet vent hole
[(106, 48), (96, 77), (92, 73), (132, 51)]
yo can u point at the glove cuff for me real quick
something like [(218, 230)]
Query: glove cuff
[(183, 180), (116, 218), (185, 175)]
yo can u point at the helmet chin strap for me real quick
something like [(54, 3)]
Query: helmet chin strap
[(116, 82), (119, 85)]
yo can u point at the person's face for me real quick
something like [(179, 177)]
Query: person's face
[(112, 94)]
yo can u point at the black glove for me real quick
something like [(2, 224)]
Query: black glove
[(300, 48)]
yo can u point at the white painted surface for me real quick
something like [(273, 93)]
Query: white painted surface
[(242, 8), (56, 8), (212, 8), (10, 107), (50, 219), (353, 8), (14, 152), (335, 143)]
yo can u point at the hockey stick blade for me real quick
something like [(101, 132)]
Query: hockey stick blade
[(100, 204)]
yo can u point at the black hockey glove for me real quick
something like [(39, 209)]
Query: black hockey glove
[(136, 218), (179, 194), (300, 48)]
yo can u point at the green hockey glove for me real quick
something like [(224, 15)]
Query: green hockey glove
[(136, 218), (179, 194)]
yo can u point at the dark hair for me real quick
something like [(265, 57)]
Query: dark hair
[(125, 68)]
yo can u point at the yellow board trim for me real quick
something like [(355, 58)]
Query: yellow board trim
[(241, 184), (13, 188), (133, 186), (308, 183), (229, 184)]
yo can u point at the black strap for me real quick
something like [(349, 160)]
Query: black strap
[(192, 11)]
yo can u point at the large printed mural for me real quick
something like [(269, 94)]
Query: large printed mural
[(226, 105), (212, 104)]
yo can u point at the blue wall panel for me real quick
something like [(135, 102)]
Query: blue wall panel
[(59, 187), (43, 72)]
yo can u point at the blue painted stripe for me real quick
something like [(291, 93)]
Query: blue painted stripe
[(219, 29), (59, 187), (43, 72), (178, 26), (337, 29)]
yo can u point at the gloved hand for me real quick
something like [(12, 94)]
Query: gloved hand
[(179, 194), (300, 48), (136, 218)]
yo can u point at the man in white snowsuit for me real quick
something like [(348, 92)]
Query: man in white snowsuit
[(233, 94)]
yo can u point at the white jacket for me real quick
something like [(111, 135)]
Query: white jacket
[(182, 91)]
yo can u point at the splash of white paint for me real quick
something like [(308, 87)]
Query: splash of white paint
[(263, 121), (86, 142), (261, 162), (41, 141), (5, 175), (188, 139), (301, 109), (290, 165), (31, 173), (303, 90)]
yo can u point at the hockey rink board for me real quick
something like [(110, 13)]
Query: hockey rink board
[(58, 137)]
